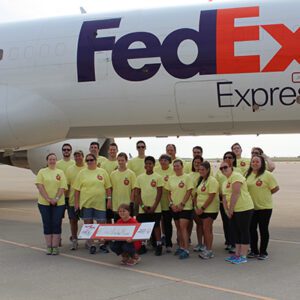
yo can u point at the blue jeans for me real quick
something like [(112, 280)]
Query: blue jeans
[(120, 247), (52, 218)]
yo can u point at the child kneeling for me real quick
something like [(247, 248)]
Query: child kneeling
[(127, 249)]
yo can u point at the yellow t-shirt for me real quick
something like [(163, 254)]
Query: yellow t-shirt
[(205, 188), (178, 186), (137, 165), (188, 167), (92, 185), (243, 164), (195, 177), (100, 161), (244, 201), (165, 174), (122, 185), (260, 189), (71, 175), (64, 165), (109, 166), (221, 178), (52, 180), (148, 185)]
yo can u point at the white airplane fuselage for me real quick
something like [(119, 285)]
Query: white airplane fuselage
[(216, 68)]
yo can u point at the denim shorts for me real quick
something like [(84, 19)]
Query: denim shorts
[(93, 214)]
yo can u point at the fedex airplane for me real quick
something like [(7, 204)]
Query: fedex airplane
[(221, 67)]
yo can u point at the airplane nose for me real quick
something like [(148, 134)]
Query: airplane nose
[(28, 119)]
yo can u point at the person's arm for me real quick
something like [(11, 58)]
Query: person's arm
[(270, 163), (207, 203), (157, 199), (171, 204), (185, 199), (236, 191), (225, 204), (275, 190), (59, 193), (43, 192), (108, 197)]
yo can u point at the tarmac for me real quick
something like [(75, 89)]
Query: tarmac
[(27, 273)]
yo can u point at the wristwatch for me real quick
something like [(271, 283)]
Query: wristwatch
[(171, 203), (142, 206), (57, 198)]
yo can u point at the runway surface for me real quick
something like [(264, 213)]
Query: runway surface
[(27, 273)]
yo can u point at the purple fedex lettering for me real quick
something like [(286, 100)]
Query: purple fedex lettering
[(205, 39), (88, 44)]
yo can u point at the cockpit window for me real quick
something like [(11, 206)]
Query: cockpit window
[(1, 54)]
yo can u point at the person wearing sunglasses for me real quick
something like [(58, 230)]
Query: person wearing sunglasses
[(137, 164), (230, 158), (270, 165), (92, 187), (71, 175), (180, 188), (241, 162), (262, 185), (66, 162), (238, 206), (206, 206), (51, 184)]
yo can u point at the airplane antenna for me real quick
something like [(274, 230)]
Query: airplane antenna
[(82, 10)]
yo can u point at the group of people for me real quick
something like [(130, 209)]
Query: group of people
[(115, 190)]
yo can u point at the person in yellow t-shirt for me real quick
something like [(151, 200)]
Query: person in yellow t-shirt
[(206, 205), (241, 163), (71, 175), (51, 184), (270, 165), (195, 175), (123, 183), (94, 149), (180, 187), (137, 164), (230, 158), (149, 187), (238, 206), (165, 171), (197, 151), (261, 184), (66, 161)]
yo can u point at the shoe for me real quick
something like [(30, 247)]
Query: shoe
[(169, 249), (49, 251), (240, 260), (231, 258), (228, 247), (199, 248), (262, 256), (131, 262), (103, 249), (158, 250), (252, 255), (92, 249), (137, 258), (163, 240), (178, 251), (206, 255), (142, 250), (231, 250), (124, 259), (184, 254), (55, 251), (74, 244)]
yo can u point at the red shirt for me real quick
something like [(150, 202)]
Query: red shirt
[(137, 244)]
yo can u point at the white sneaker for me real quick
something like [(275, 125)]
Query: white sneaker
[(74, 244)]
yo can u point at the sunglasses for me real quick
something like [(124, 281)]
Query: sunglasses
[(66, 149), (254, 153), (228, 157), (89, 160), (140, 147), (224, 168)]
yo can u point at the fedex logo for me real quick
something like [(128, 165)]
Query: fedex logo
[(215, 40)]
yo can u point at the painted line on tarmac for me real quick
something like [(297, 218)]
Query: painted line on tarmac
[(147, 273)]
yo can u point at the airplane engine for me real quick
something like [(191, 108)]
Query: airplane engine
[(35, 159)]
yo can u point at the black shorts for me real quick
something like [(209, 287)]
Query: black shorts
[(208, 215), (184, 214), (155, 217)]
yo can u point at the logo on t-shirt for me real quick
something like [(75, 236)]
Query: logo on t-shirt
[(259, 182), (166, 178), (58, 177), (126, 181), (99, 177), (243, 164), (153, 183), (228, 185), (181, 184), (203, 189)]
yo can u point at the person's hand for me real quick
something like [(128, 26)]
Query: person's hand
[(129, 240), (174, 208), (53, 202), (199, 211), (230, 213), (76, 206), (151, 210)]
